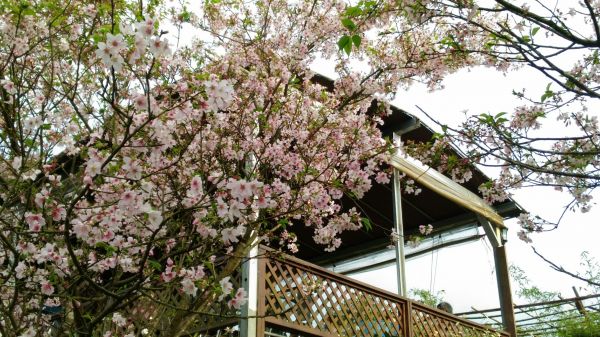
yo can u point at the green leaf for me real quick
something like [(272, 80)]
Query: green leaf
[(185, 16), (486, 119), (570, 84), (353, 11), (500, 118), (356, 40), (547, 94), (155, 265), (366, 224), (534, 31), (283, 222), (108, 249), (28, 11), (349, 24), (370, 4), (345, 44)]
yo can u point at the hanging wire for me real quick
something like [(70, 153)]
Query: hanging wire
[(488, 251), (437, 255), (431, 266)]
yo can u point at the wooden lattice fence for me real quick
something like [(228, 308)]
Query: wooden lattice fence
[(313, 301)]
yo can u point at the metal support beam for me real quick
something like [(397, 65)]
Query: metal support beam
[(504, 291), (412, 124), (492, 232), (502, 275), (248, 322), (387, 257), (399, 228)]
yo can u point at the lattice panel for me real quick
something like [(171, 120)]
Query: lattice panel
[(428, 323), (300, 296)]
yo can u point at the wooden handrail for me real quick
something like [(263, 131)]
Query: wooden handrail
[(348, 306)]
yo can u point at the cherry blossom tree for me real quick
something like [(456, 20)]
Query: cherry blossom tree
[(139, 167), (558, 39)]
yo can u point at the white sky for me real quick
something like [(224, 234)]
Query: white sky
[(466, 273)]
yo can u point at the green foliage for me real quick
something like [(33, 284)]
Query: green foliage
[(356, 40), (530, 293), (580, 327), (366, 224), (568, 323), (351, 15), (345, 43), (493, 119), (349, 24), (548, 93), (426, 297)]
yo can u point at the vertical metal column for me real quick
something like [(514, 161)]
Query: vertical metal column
[(399, 228), (248, 322), (497, 242), (504, 291)]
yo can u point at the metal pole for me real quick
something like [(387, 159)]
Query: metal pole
[(497, 241), (399, 228), (504, 291), (250, 283)]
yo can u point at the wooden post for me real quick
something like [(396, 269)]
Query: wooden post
[(262, 293), (579, 304), (409, 319)]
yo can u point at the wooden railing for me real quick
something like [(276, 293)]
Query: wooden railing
[(312, 301)]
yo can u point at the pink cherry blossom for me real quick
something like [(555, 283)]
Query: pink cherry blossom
[(239, 299), (47, 288), (9, 86), (115, 43), (220, 94), (241, 189), (195, 187), (188, 287), (119, 320), (231, 235), (40, 198), (145, 28), (35, 221), (155, 218), (132, 169), (226, 287), (159, 47), (16, 163), (59, 213)]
